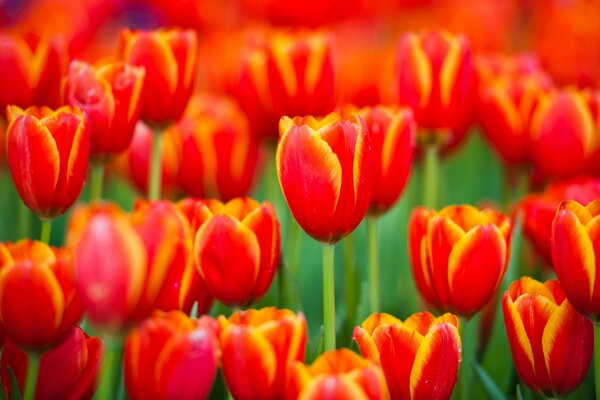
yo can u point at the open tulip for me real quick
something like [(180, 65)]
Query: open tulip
[(258, 349), (337, 374), (170, 356), (237, 250), (459, 256), (413, 353), (551, 343)]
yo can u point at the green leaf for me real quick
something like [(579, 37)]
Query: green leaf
[(492, 390)]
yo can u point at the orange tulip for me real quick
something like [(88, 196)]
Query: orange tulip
[(393, 140), (67, 371), (170, 58), (413, 353), (435, 78), (551, 343), (258, 348), (110, 97), (237, 249), (170, 356), (48, 155), (459, 255), (324, 168), (37, 278), (337, 374), (575, 241)]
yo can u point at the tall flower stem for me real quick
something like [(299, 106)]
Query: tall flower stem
[(155, 170), (33, 368), (328, 297), (46, 230), (597, 358), (111, 364), (431, 176), (97, 182), (373, 263), (468, 338), (351, 288)]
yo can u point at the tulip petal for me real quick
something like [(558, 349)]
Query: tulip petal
[(366, 344), (340, 387), (519, 341)]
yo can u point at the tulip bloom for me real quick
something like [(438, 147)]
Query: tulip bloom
[(324, 169), (36, 277), (258, 349), (170, 356), (551, 343), (110, 97), (459, 256), (413, 353), (48, 155), (67, 371), (237, 250), (337, 374), (170, 58), (435, 78)]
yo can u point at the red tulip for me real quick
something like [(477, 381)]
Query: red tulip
[(170, 356), (258, 348), (48, 155), (550, 342), (324, 169)]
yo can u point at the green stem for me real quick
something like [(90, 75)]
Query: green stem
[(469, 339), (597, 359), (24, 220), (155, 170), (373, 264), (46, 230), (111, 365), (97, 179), (328, 297), (351, 288), (33, 368), (431, 175)]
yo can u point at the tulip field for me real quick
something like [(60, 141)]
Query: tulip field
[(284, 199)]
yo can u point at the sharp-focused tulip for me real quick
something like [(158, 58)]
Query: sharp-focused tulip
[(285, 74), (551, 343), (393, 140), (170, 58), (67, 371), (48, 154), (414, 353), (110, 96), (237, 249), (219, 156), (576, 251), (435, 78), (539, 209), (170, 356), (459, 256), (258, 349), (337, 374), (37, 278), (324, 168)]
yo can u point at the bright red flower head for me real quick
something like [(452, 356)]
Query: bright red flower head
[(324, 168), (110, 97), (413, 353), (37, 278), (48, 154), (237, 249), (170, 58), (337, 374), (170, 356), (459, 255), (68, 371), (258, 349), (551, 343)]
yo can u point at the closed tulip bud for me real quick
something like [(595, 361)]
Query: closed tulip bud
[(337, 374), (110, 97), (36, 277), (237, 250), (393, 140), (551, 343), (414, 353), (459, 256), (170, 356), (48, 154), (258, 349), (435, 78), (68, 371), (170, 58), (325, 172)]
